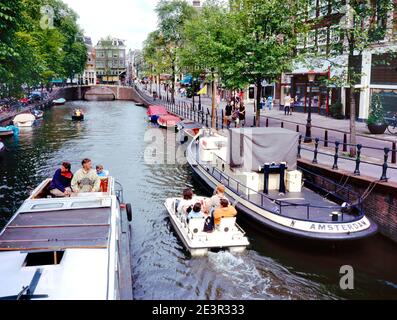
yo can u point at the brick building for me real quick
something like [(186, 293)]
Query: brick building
[(377, 66)]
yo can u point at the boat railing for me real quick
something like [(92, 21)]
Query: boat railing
[(275, 205)]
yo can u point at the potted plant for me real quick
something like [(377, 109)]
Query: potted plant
[(336, 110), (376, 121)]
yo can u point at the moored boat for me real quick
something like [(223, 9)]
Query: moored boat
[(9, 131), (258, 167), (73, 248), (168, 121), (24, 120), (2, 146), (228, 236), (59, 101), (38, 113), (154, 112)]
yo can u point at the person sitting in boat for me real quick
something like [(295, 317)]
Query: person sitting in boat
[(225, 211), (215, 200), (86, 179), (195, 213), (187, 201), (77, 112), (61, 181), (101, 172)]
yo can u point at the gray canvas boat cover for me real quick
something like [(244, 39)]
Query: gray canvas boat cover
[(251, 148)]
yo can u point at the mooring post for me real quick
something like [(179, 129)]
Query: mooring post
[(336, 156), (344, 142), (358, 160), (316, 150), (385, 166), (393, 153), (326, 138), (299, 146)]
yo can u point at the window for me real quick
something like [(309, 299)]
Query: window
[(47, 206), (311, 38), (43, 258), (323, 7), (322, 37), (312, 9)]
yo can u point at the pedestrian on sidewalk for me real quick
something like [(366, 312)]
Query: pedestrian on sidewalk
[(287, 104), (269, 102), (228, 114), (242, 114), (236, 115)]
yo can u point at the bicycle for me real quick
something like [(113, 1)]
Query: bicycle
[(392, 124)]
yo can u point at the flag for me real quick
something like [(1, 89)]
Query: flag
[(203, 91)]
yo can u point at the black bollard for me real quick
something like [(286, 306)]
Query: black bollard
[(344, 142), (254, 122), (315, 150), (299, 147), (267, 122), (326, 138), (206, 120), (384, 178), (393, 153), (358, 160), (297, 128), (282, 124), (223, 118), (336, 156)]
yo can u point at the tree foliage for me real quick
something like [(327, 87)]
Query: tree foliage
[(37, 46)]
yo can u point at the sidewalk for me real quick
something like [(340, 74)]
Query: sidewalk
[(372, 151)]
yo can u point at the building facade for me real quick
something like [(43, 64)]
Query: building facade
[(376, 65), (111, 61), (89, 75)]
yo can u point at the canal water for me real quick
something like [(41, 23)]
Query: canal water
[(116, 135)]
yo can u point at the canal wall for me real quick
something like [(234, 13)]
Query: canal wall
[(380, 204)]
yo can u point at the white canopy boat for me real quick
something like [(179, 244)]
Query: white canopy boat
[(229, 236), (74, 248), (24, 120), (259, 169), (59, 101)]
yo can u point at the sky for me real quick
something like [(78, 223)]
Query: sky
[(130, 20)]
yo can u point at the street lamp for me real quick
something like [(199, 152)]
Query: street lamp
[(311, 75)]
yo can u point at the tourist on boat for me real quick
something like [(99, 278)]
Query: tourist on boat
[(186, 202), (215, 200), (196, 212), (61, 181), (86, 179), (225, 211), (101, 172)]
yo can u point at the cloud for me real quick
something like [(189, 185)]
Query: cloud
[(130, 20)]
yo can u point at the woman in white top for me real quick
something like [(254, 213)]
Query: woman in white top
[(187, 201)]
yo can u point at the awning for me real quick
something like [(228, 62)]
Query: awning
[(187, 80)]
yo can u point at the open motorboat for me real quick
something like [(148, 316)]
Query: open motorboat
[(74, 248), (229, 236), (59, 101), (154, 112), (9, 131), (258, 167), (38, 113), (187, 129), (78, 115), (168, 121), (24, 120)]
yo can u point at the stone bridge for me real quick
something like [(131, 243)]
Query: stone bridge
[(102, 93)]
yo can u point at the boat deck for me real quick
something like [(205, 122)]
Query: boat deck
[(54, 230)]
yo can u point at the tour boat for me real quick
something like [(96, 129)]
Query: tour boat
[(258, 167), (24, 120), (74, 248), (168, 121), (59, 101), (154, 112), (8, 131), (230, 235), (38, 114)]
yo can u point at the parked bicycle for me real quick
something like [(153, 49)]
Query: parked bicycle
[(392, 124)]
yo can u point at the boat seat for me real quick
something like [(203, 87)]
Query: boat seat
[(196, 225), (227, 224)]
